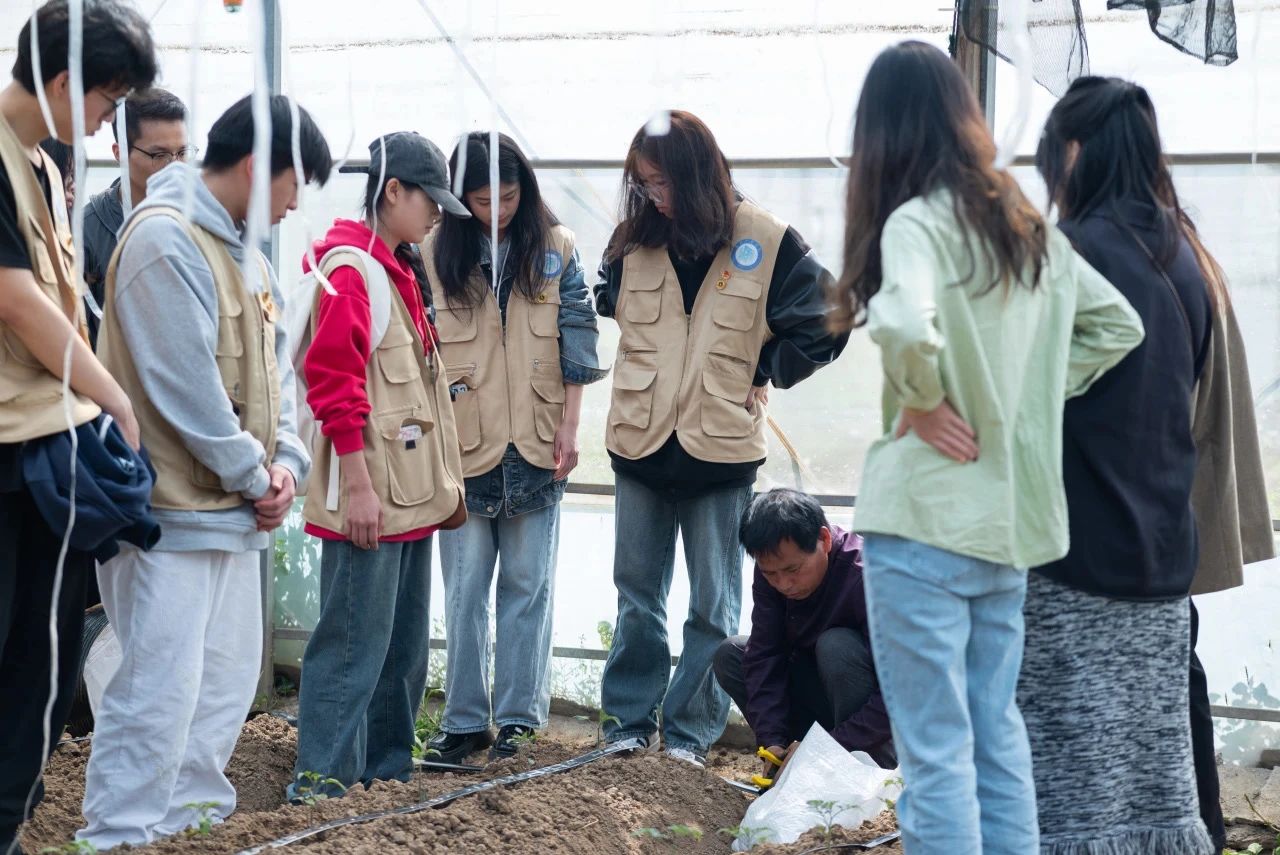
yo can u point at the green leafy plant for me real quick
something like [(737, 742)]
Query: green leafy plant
[(604, 629), (828, 812), (427, 726), (74, 847), (312, 788), (651, 833), (204, 822), (691, 832), (602, 718), (750, 837)]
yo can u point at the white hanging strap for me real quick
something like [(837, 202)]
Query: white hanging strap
[(126, 150)]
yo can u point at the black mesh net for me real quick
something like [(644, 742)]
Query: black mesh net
[(1206, 29), (1060, 52)]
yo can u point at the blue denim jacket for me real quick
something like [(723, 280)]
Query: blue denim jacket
[(516, 486)]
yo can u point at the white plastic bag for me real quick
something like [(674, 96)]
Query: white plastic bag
[(850, 788), (101, 664)]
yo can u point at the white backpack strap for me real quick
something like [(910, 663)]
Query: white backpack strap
[(378, 285)]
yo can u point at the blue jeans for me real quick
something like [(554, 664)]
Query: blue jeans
[(365, 668), (947, 631), (636, 675), (524, 547)]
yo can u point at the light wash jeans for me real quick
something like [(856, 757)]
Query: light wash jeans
[(524, 548), (637, 676), (947, 631), (365, 668)]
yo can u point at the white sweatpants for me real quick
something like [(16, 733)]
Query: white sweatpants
[(190, 630)]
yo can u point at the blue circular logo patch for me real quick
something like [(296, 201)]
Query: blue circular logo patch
[(747, 254), (552, 264)]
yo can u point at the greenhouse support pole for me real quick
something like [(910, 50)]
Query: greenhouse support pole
[(273, 45), (974, 59)]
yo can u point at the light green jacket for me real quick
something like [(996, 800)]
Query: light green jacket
[(1006, 360)]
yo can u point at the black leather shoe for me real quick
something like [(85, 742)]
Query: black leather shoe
[(454, 747)]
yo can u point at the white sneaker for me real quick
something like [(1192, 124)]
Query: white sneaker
[(686, 756)]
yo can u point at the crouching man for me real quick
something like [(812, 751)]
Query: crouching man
[(808, 658)]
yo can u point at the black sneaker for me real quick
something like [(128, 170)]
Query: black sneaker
[(454, 747), (510, 738)]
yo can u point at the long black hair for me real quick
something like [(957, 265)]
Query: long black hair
[(1120, 158), (458, 242), (702, 193), (918, 128), (407, 253)]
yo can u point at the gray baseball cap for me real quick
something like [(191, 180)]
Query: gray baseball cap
[(415, 159)]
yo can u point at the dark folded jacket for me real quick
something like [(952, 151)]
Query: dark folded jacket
[(112, 489)]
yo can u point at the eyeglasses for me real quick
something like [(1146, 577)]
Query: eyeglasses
[(657, 190), (116, 103), (164, 158)]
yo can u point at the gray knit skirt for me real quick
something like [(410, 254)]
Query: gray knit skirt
[(1104, 691)]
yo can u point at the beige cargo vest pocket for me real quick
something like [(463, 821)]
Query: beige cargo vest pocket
[(410, 473), (736, 303), (727, 382), (548, 405), (642, 301), (228, 353), (397, 360), (466, 406), (457, 327), (633, 377)]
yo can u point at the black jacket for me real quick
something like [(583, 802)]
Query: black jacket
[(796, 311), (1128, 458)]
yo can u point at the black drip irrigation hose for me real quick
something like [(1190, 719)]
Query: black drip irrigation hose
[(621, 747), (862, 847)]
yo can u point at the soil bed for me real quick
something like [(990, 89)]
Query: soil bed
[(595, 810)]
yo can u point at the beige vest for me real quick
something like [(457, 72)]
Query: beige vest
[(692, 373), (410, 441), (516, 387), (246, 358), (30, 396)]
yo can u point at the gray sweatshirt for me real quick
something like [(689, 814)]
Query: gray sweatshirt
[(168, 312)]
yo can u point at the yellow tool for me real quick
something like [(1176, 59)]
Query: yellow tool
[(760, 780)]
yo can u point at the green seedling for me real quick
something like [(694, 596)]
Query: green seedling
[(74, 847), (827, 812), (685, 831), (602, 718), (311, 788), (427, 725), (651, 833), (204, 822), (750, 837)]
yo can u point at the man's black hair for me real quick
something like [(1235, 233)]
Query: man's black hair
[(149, 105), (779, 515), (231, 140), (118, 50)]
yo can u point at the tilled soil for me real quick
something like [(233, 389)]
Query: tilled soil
[(630, 805)]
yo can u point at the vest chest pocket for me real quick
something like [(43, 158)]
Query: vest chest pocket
[(727, 383), (642, 296), (397, 357), (736, 304), (548, 405), (229, 350), (544, 319), (466, 406), (410, 462), (633, 377), (456, 324)]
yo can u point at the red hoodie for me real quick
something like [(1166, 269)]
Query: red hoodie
[(338, 358)]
